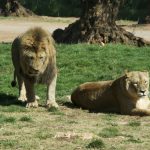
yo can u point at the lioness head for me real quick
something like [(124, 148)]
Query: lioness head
[(137, 83), (34, 51)]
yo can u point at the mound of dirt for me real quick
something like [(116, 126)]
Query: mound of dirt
[(14, 8)]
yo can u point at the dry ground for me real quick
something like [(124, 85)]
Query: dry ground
[(12, 27), (73, 129)]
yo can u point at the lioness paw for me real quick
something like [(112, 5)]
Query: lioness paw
[(51, 104), (32, 104)]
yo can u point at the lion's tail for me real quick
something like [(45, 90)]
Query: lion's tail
[(14, 82)]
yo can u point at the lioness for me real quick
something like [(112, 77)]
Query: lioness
[(127, 95), (34, 60)]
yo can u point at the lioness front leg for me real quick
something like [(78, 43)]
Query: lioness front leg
[(51, 88), (140, 112), (31, 99)]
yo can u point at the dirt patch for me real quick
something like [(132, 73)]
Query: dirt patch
[(11, 27), (140, 30)]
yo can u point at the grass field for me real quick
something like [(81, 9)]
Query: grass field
[(70, 128)]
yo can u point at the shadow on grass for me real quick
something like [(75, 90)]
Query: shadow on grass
[(72, 106), (7, 100), (69, 105)]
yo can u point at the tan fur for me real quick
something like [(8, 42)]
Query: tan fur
[(34, 60), (127, 95)]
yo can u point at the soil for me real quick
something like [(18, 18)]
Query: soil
[(11, 27)]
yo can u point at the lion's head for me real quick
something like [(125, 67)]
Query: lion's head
[(137, 83), (35, 51)]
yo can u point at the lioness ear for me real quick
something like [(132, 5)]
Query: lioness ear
[(146, 72)]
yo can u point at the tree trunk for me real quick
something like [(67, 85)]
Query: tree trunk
[(13, 8), (97, 25)]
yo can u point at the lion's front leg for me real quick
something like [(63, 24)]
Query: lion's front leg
[(51, 88), (31, 98), (22, 90)]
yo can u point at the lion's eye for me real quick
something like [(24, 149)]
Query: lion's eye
[(31, 57), (135, 84), (41, 58), (145, 82)]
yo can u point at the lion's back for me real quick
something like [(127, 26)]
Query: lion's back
[(15, 53)]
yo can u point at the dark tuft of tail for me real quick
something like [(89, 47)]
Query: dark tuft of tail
[(14, 82)]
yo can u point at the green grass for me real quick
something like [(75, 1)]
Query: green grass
[(42, 135), (109, 132), (96, 144), (91, 63), (7, 143), (134, 123), (8, 133), (5, 119), (76, 64), (26, 119), (134, 140), (13, 108), (80, 63), (55, 111)]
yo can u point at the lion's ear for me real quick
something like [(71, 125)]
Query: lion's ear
[(126, 73)]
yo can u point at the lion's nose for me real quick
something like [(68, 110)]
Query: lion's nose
[(142, 91), (34, 70)]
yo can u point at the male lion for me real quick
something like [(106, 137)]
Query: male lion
[(127, 95), (34, 60)]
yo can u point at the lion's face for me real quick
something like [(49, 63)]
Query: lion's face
[(137, 83), (34, 59)]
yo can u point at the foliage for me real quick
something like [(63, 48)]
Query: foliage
[(53, 7), (133, 9)]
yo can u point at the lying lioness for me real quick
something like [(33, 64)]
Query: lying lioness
[(127, 95)]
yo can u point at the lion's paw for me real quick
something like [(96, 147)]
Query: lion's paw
[(52, 104), (37, 97), (22, 98), (32, 104)]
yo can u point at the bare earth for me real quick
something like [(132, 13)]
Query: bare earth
[(12, 27)]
